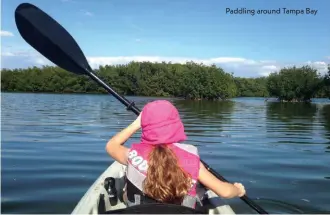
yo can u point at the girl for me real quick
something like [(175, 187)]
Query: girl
[(159, 168)]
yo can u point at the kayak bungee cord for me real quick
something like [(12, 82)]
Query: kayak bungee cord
[(50, 39)]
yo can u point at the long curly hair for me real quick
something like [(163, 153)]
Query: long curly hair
[(166, 181)]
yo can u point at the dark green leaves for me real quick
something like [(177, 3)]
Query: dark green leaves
[(191, 81), (295, 84)]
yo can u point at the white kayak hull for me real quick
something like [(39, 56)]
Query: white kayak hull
[(89, 203)]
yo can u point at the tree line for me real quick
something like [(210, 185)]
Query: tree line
[(189, 81)]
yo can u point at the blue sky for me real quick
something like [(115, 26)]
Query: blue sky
[(118, 31)]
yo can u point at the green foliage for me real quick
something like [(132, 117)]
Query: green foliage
[(294, 84), (327, 83), (191, 80), (252, 87), (324, 90)]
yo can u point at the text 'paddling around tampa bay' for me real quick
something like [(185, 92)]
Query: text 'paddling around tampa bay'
[(283, 10)]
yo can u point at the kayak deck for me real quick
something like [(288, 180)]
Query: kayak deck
[(96, 199)]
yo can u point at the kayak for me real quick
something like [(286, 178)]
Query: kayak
[(98, 201)]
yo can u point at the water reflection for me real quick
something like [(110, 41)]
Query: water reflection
[(206, 117), (288, 112), (110, 109), (206, 109), (293, 118), (325, 112)]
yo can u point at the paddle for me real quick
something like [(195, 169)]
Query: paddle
[(49, 38)]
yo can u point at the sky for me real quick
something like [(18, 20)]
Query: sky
[(209, 31)]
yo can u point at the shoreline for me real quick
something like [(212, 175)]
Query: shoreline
[(266, 99)]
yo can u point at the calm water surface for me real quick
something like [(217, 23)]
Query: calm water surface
[(52, 149)]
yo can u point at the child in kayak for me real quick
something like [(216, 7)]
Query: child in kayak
[(159, 167)]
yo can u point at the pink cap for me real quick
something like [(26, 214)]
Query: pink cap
[(161, 124)]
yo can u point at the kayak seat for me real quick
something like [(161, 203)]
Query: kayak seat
[(144, 199), (149, 205), (156, 208), (132, 189)]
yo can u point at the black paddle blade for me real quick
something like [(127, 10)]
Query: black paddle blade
[(49, 38)]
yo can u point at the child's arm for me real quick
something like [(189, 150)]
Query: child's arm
[(223, 189), (115, 146)]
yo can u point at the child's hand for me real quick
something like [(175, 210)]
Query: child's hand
[(137, 122), (240, 188)]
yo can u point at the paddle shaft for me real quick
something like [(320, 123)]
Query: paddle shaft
[(131, 106)]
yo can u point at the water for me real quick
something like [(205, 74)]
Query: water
[(53, 149)]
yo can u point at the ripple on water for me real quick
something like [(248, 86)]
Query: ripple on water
[(53, 148)]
